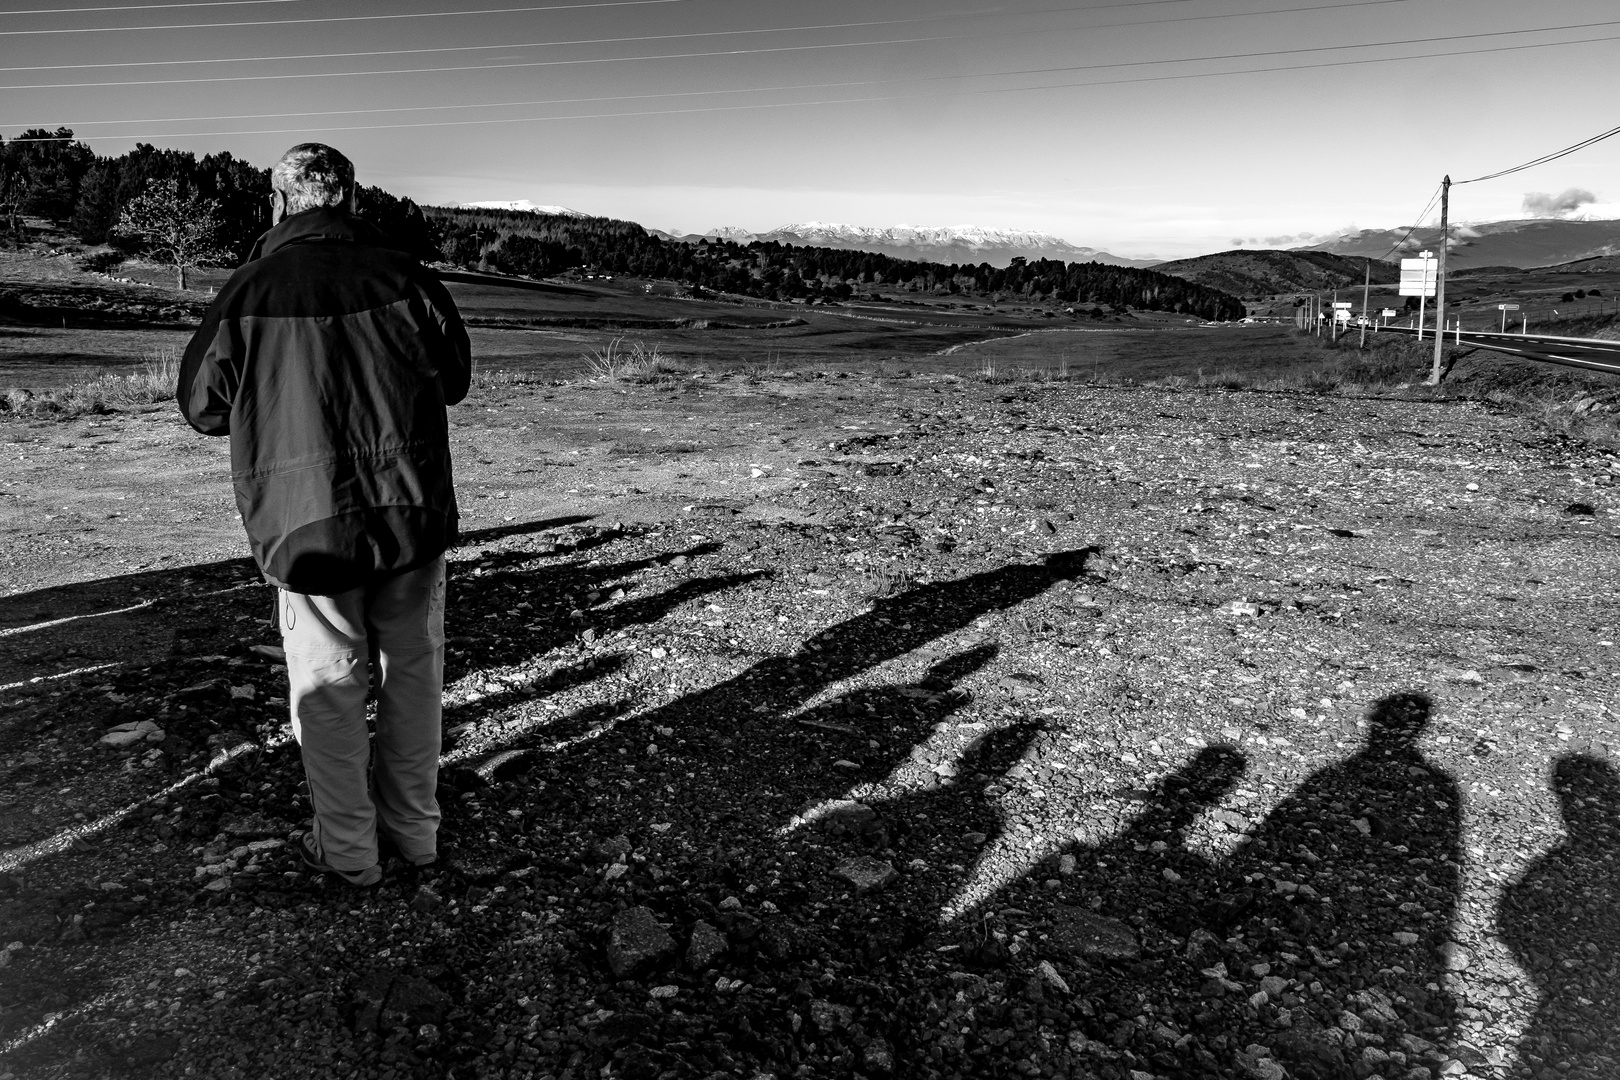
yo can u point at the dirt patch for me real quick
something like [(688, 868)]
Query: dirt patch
[(990, 730)]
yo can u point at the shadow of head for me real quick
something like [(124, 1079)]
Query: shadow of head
[(1211, 773), (953, 669), (994, 752), (1201, 782), (1396, 721), (1588, 791), (1074, 563)]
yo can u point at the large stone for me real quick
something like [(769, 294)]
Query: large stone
[(865, 872), (847, 818), (707, 943), (1455, 957), (637, 942), (126, 735), (245, 826), (829, 1017), (878, 1057), (1093, 936)]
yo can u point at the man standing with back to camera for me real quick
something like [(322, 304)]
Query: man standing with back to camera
[(329, 358)]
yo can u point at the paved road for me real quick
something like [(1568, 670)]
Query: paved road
[(1589, 354)]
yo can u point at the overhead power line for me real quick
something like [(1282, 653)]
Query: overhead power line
[(335, 18), (1417, 223), (823, 46), (1545, 158), (778, 88), (454, 14), (776, 105), (144, 7), (507, 45)]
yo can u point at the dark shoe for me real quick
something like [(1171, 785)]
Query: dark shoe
[(388, 851), (313, 859)]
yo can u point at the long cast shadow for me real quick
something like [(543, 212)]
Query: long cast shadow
[(1356, 874), (1559, 919)]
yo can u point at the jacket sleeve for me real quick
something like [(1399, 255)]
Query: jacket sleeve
[(207, 385), (455, 355)]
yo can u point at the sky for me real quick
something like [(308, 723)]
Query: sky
[(1154, 127)]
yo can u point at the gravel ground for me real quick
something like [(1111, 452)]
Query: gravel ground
[(903, 728)]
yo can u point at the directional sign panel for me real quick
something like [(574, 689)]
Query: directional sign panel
[(1388, 313), (1507, 307), (1343, 305), (1418, 277)]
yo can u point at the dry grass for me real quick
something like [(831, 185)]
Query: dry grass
[(100, 392), (881, 582), (636, 362)]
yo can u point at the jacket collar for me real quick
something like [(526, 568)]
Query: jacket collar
[(321, 223)]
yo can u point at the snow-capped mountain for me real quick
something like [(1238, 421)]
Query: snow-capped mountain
[(525, 204), (934, 243), (730, 232)]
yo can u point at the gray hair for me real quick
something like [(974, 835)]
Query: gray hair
[(311, 175)]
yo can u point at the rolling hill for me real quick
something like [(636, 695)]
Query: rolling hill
[(1261, 273)]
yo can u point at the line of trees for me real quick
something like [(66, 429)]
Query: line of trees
[(191, 211), (523, 242), (169, 205)]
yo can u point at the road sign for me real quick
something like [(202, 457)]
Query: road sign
[(1507, 307), (1342, 305), (1418, 277), (1387, 313)]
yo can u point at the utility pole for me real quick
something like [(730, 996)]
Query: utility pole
[(1366, 287), (1333, 332), (1440, 279)]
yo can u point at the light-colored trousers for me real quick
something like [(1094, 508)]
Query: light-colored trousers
[(394, 627)]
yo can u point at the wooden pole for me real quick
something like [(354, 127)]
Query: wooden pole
[(1440, 280), (1366, 289)]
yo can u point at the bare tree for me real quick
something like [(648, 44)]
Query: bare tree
[(179, 230)]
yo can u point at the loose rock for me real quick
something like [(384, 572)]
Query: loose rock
[(637, 942), (865, 872)]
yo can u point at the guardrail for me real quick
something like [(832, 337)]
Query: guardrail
[(1586, 354)]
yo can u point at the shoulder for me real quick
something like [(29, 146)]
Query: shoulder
[(322, 278)]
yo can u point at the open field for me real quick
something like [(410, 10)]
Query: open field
[(80, 322), (911, 726)]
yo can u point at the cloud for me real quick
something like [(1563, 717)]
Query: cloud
[(1301, 239), (1540, 204)]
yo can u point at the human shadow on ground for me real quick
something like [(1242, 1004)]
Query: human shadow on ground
[(1355, 876), (679, 808), (1340, 899), (207, 687), (1560, 920)]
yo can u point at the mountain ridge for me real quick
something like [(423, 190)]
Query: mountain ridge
[(525, 206), (960, 244), (1262, 272), (1526, 243)]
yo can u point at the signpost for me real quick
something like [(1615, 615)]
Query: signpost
[(1504, 309), (1418, 278)]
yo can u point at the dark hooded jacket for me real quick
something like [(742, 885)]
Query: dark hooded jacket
[(329, 358)]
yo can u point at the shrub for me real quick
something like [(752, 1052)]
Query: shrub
[(99, 392), (637, 362)]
